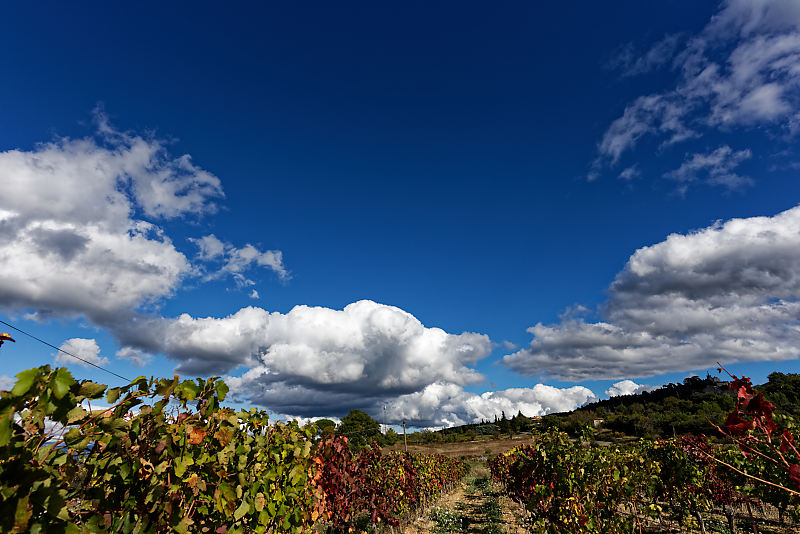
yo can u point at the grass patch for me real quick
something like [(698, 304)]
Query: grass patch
[(445, 520), (491, 510)]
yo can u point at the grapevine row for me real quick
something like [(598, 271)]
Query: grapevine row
[(576, 486), (163, 456), (569, 486)]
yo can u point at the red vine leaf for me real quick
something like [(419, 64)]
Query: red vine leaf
[(794, 474)]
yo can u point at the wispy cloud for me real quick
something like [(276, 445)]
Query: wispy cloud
[(630, 173), (235, 261), (631, 62), (713, 168), (740, 71), (137, 357)]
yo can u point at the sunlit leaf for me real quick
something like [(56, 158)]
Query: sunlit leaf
[(25, 380)]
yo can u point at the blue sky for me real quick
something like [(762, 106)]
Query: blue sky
[(364, 205)]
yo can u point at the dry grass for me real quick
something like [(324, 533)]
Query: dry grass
[(488, 447)]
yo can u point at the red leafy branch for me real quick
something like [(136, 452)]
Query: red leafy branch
[(750, 424)]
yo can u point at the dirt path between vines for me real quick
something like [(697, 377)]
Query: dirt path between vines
[(476, 507)]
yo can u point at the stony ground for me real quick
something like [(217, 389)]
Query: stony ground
[(476, 507)]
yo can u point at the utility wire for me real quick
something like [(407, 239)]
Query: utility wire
[(65, 352)]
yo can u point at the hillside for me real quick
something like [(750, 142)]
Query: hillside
[(673, 409)]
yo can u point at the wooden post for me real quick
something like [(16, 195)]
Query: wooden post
[(405, 442)]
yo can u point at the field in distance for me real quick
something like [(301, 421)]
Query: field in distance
[(481, 447)]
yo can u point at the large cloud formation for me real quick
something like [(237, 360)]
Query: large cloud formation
[(364, 352), (80, 229), (726, 293), (741, 70), (84, 234), (315, 361)]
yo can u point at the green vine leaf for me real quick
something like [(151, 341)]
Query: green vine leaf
[(25, 380)]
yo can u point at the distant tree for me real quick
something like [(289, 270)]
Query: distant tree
[(553, 421), (520, 423), (485, 429), (504, 424), (391, 437), (429, 436), (783, 390), (360, 429), (415, 437), (325, 427)]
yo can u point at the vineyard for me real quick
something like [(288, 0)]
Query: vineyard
[(164, 456), (160, 456), (569, 486)]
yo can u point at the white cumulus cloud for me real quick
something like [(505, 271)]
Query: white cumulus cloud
[(366, 342), (86, 349), (314, 358), (628, 387), (729, 293), (82, 226), (442, 404)]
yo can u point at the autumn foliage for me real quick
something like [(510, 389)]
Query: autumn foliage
[(163, 456), (577, 486)]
